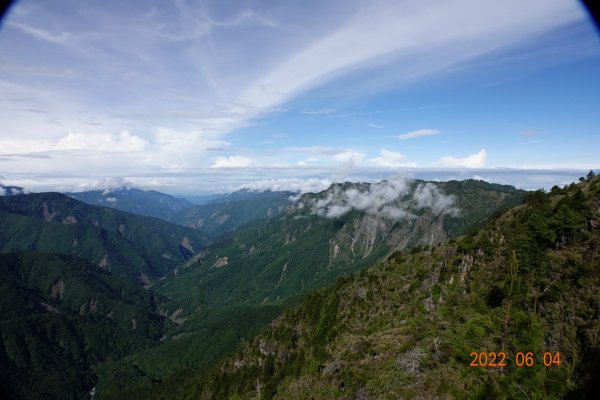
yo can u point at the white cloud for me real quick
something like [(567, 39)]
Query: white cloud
[(23, 145), (385, 199), (289, 184), (304, 163), (105, 184), (124, 142), (107, 154), (416, 49), (430, 196), (61, 38), (166, 138), (318, 112), (390, 159), (418, 133), (349, 158), (111, 199), (476, 160), (379, 198), (232, 162), (385, 159), (314, 150), (180, 149)]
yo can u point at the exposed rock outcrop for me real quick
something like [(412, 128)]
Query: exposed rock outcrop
[(221, 262)]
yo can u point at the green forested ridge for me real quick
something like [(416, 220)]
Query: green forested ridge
[(94, 244), (129, 243), (141, 202), (299, 251), (60, 317), (217, 216), (226, 213), (527, 282), (243, 280)]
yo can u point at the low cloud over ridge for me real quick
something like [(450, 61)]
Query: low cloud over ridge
[(386, 199)]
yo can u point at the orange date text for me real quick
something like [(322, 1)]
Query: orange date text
[(521, 359)]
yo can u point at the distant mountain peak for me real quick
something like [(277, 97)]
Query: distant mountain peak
[(137, 201)]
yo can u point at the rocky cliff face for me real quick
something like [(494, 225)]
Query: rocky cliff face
[(359, 239)]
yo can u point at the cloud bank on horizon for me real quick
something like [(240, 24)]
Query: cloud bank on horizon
[(237, 94)]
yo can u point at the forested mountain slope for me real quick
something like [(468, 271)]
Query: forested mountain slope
[(305, 247), (59, 317), (526, 287), (141, 202), (139, 247), (228, 212)]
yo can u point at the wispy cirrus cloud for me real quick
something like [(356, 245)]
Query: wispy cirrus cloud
[(418, 133), (313, 149), (318, 112), (530, 133)]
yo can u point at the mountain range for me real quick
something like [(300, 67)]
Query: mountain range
[(386, 287), (254, 273), (215, 216), (141, 202)]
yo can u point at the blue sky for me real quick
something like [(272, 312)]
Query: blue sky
[(191, 97)]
